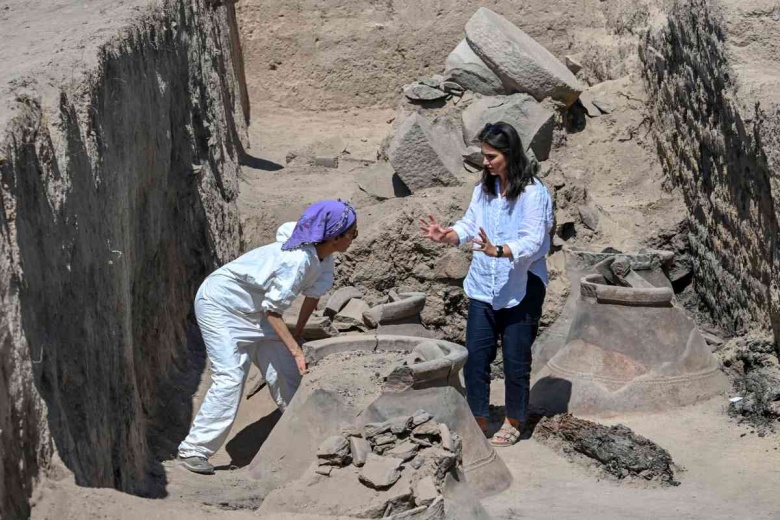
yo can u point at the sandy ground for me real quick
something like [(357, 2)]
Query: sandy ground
[(728, 473)]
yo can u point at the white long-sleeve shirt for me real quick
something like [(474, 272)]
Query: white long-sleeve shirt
[(524, 226), (268, 279)]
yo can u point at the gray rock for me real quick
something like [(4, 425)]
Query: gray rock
[(340, 298), (522, 64), (380, 472), (586, 99), (452, 88), (420, 92), (436, 462), (425, 491), (424, 156), (384, 438), (371, 430), (466, 69), (603, 105), (572, 63), (427, 429), (473, 156), (334, 451), (533, 121), (401, 424), (351, 316), (589, 217), (446, 438), (420, 417), (359, 449), (405, 451), (327, 162), (452, 265), (324, 469), (380, 182)]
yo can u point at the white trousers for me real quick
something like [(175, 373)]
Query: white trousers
[(232, 343)]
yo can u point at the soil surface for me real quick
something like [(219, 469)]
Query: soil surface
[(608, 163)]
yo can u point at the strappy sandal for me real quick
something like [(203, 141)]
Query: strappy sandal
[(507, 435)]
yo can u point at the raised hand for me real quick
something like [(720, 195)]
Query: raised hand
[(483, 243), (433, 230)]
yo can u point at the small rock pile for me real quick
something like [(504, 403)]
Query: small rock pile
[(346, 310), (415, 447)]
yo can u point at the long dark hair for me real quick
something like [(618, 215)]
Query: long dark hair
[(521, 170)]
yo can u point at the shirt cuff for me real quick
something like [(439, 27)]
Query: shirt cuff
[(462, 236)]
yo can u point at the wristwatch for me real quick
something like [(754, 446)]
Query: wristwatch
[(499, 251)]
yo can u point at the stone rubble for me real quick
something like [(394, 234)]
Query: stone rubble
[(408, 450)]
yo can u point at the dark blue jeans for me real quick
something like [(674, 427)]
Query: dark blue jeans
[(517, 327)]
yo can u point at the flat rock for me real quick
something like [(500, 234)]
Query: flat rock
[(352, 315), (468, 70), (425, 491), (420, 417), (384, 438), (418, 91), (339, 299), (586, 99), (522, 64), (427, 429), (424, 156), (533, 121), (380, 472), (334, 450), (381, 182), (405, 451), (589, 217), (446, 438)]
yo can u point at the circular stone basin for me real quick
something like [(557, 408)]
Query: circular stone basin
[(628, 349), (343, 389)]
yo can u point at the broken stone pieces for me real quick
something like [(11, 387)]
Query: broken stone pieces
[(351, 316), (339, 299), (419, 91)]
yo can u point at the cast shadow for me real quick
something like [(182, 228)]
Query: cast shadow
[(245, 445), (257, 163)]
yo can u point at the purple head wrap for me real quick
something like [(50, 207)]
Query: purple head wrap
[(321, 221)]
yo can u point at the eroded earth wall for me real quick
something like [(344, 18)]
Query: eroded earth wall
[(118, 196), (711, 71)]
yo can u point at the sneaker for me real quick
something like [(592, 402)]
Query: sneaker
[(197, 465)]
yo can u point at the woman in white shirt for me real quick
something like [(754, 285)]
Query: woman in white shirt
[(509, 221), (239, 311)]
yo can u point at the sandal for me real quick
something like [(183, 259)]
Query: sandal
[(507, 435)]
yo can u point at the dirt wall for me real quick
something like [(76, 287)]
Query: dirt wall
[(118, 195), (709, 70)]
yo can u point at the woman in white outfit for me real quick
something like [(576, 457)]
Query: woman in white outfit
[(239, 310)]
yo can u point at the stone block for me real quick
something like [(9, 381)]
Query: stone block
[(359, 449), (424, 156), (522, 64), (533, 121), (351, 316), (419, 91), (468, 70), (381, 182), (339, 299)]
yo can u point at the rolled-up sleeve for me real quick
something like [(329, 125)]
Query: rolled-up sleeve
[(534, 226), (467, 228), (285, 283), (324, 281)]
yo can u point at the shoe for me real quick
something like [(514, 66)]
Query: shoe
[(506, 436), (197, 465)]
